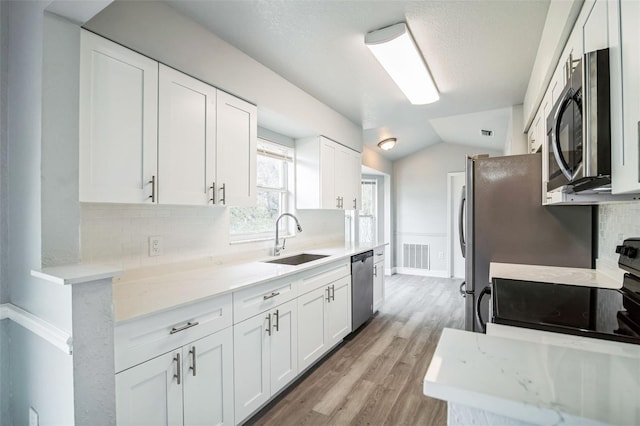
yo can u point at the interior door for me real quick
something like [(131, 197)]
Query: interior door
[(457, 212)]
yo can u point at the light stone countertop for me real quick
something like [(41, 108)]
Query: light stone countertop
[(553, 274), (533, 382), (148, 294)]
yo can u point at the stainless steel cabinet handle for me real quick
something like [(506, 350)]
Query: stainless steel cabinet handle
[(276, 324), (328, 294), (178, 367), (192, 352), (355, 204), (184, 327), (269, 296), (338, 202), (375, 270), (342, 202), (333, 292), (153, 189), (268, 329), (213, 193), (223, 189)]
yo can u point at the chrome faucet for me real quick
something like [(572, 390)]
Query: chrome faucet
[(278, 248)]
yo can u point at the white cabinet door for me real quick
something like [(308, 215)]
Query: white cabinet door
[(251, 364), (312, 337), (348, 177), (118, 123), (338, 311), (328, 166), (595, 29), (186, 139), (236, 140), (624, 35), (378, 284), (149, 393), (284, 345), (208, 380)]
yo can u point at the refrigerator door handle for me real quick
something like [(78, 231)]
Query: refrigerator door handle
[(481, 322), (463, 200)]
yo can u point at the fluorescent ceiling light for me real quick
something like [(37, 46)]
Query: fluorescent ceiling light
[(398, 54), (387, 144)]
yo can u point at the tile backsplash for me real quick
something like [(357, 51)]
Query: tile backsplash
[(119, 233), (615, 223)]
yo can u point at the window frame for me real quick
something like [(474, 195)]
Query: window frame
[(375, 213), (286, 192)]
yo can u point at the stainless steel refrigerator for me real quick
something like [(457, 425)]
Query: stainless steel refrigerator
[(503, 220)]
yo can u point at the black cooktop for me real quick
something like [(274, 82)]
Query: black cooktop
[(583, 311)]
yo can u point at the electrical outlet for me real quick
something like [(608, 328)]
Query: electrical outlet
[(33, 417), (440, 255), (155, 246)]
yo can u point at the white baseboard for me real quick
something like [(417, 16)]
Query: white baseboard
[(49, 332), (422, 272), (389, 271)]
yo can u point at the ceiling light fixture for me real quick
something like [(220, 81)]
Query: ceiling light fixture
[(397, 52), (387, 144)]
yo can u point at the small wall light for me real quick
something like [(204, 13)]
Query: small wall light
[(387, 144)]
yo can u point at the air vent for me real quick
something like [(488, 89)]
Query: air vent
[(415, 256), (488, 133)]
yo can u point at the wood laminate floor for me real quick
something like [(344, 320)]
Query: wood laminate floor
[(376, 378)]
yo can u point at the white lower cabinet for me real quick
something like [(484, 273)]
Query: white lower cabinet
[(192, 385), (324, 320), (265, 350)]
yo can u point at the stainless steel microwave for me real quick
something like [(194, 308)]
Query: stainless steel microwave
[(579, 129)]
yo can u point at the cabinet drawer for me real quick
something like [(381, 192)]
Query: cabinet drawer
[(141, 339), (323, 275), (254, 300), (378, 253)]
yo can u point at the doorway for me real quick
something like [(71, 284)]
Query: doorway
[(455, 261)]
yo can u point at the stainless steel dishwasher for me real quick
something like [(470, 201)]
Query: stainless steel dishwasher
[(361, 288)]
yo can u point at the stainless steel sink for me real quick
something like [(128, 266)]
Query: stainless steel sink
[(298, 259)]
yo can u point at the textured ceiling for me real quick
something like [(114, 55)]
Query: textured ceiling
[(480, 54)]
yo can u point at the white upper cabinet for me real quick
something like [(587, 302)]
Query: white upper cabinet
[(624, 37), (236, 151), (595, 34), (151, 134), (327, 175), (118, 123), (186, 139)]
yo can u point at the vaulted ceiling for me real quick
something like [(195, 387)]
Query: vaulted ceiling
[(480, 54)]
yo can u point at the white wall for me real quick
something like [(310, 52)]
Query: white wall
[(516, 142), (40, 374), (420, 192), (60, 120), (374, 160), (160, 32)]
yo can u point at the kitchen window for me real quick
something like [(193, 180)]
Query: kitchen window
[(369, 211), (274, 196)]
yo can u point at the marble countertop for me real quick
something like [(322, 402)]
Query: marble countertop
[(535, 382), (152, 293), (553, 274)]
